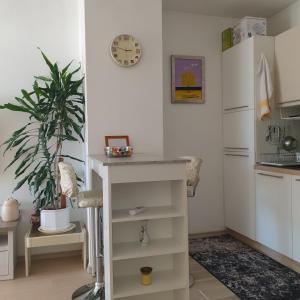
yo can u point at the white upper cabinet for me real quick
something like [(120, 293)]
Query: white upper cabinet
[(287, 64), (239, 72), (274, 211), (238, 80)]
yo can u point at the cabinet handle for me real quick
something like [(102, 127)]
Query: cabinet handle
[(241, 155), (297, 179), (269, 175), (237, 148), (237, 107)]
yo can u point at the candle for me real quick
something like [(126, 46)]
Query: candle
[(146, 276)]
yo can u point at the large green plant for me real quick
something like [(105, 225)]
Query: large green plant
[(55, 109)]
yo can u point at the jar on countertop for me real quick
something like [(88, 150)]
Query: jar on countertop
[(10, 210)]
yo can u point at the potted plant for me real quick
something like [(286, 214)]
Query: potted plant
[(55, 109)]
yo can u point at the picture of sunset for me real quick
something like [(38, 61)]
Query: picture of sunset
[(187, 79)]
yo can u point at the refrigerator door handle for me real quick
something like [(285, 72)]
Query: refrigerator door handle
[(239, 155), (236, 148), (234, 108)]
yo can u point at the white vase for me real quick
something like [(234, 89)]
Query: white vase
[(55, 219), (10, 210)]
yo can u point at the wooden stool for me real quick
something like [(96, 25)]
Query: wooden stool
[(35, 239)]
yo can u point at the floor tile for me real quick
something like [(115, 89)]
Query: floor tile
[(213, 289), (201, 275), (196, 295)]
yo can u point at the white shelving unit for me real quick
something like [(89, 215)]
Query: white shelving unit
[(159, 184)]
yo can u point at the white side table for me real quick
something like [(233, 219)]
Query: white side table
[(7, 249), (35, 239)]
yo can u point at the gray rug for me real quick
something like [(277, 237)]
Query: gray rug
[(246, 272)]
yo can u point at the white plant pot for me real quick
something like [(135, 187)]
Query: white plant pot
[(56, 219)]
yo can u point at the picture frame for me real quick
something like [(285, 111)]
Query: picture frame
[(117, 141), (188, 79)]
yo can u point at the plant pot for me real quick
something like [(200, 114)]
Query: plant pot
[(35, 221), (55, 219)]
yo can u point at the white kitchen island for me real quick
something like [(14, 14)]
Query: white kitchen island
[(159, 184)]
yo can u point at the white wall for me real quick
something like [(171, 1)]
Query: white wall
[(194, 129), (284, 20), (126, 101), (25, 25)]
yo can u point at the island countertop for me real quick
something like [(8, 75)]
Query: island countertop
[(137, 159)]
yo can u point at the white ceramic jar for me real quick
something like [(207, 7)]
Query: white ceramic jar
[(10, 210)]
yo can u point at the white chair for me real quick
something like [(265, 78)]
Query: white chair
[(193, 178), (86, 199)]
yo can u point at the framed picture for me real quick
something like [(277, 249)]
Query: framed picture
[(188, 79), (117, 141)]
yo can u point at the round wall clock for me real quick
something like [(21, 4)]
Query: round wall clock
[(126, 50)]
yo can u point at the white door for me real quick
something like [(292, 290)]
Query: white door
[(238, 76), (239, 193), (296, 217), (273, 211), (238, 130)]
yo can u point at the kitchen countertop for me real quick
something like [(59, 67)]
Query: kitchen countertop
[(137, 159), (282, 170)]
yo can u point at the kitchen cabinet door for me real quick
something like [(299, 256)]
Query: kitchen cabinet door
[(273, 211), (238, 76), (239, 195), (296, 217), (238, 130), (287, 63)]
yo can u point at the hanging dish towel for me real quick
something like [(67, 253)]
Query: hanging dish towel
[(265, 87)]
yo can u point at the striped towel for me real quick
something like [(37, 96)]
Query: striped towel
[(265, 88)]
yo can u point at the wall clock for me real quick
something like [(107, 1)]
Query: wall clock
[(126, 50)]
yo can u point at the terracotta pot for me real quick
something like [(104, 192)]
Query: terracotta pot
[(35, 221)]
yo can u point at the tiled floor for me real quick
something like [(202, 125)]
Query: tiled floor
[(206, 286), (56, 279)]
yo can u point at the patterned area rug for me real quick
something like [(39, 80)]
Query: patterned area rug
[(248, 273)]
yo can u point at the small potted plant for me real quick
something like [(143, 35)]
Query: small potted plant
[(55, 109)]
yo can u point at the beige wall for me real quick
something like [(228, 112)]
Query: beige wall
[(193, 129), (284, 20), (126, 101)]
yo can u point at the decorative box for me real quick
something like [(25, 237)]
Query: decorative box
[(124, 151), (248, 27), (227, 39)]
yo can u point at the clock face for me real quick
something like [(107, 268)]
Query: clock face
[(126, 50)]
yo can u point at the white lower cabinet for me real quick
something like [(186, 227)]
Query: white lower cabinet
[(239, 193), (274, 211), (296, 217)]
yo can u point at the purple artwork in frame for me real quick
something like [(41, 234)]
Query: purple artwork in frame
[(188, 79)]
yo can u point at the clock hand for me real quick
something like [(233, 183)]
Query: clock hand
[(128, 49), (121, 48)]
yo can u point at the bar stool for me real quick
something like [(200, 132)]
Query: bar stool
[(193, 178), (86, 199)]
